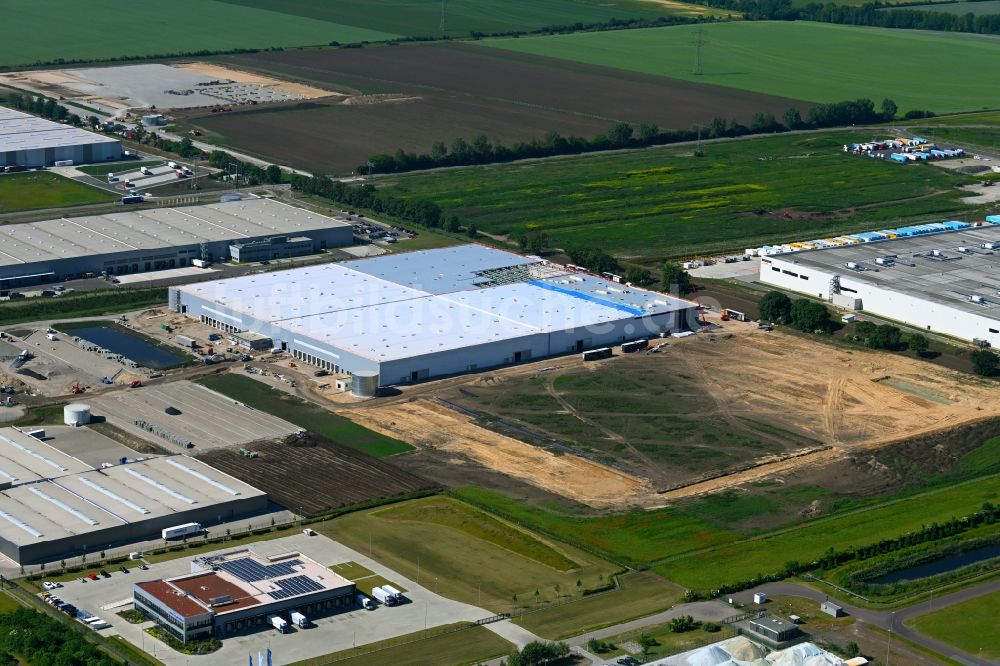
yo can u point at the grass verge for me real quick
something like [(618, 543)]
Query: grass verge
[(454, 644), (81, 304), (970, 625)]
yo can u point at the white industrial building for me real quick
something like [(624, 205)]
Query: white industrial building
[(416, 315), (137, 241), (946, 283), (30, 141), (53, 505)]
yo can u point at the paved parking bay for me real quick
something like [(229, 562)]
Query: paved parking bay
[(168, 274), (325, 635), (208, 419)]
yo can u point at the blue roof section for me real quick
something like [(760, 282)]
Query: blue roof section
[(587, 297), (440, 271)]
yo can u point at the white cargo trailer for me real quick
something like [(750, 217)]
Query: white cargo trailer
[(365, 602), (278, 623), (298, 619), (383, 596), (181, 530)]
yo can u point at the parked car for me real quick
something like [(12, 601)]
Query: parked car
[(143, 566), (49, 585), (123, 569), (92, 576), (105, 574)]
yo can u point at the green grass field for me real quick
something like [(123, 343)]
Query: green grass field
[(640, 594), (423, 17), (468, 555), (40, 189), (697, 555), (811, 61), (439, 645), (970, 625), (984, 7), (659, 203), (304, 414), (99, 29), (102, 170)]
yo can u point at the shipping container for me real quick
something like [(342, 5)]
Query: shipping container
[(595, 354), (181, 530)]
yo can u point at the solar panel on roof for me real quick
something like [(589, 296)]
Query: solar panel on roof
[(250, 571), (294, 586)]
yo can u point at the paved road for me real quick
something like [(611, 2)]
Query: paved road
[(894, 621)]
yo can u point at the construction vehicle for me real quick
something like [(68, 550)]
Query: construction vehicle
[(728, 313), (135, 384), (76, 388)]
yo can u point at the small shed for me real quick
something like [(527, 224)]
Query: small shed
[(831, 608), (759, 598)]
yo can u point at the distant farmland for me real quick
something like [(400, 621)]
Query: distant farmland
[(821, 62), (650, 204), (423, 17), (73, 30), (446, 91)]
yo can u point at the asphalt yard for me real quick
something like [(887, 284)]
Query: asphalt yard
[(105, 597), (206, 419)]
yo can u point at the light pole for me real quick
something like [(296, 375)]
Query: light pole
[(888, 647)]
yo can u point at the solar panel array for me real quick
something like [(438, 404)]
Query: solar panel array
[(250, 571), (294, 586)]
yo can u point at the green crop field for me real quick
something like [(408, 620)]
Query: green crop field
[(463, 17), (696, 555), (40, 189), (460, 552), (664, 202), (99, 29), (304, 414), (970, 625), (985, 7), (803, 60)]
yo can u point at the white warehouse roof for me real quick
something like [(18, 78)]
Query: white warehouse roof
[(23, 131), (417, 303)]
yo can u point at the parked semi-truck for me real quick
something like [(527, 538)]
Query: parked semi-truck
[(595, 354), (184, 341), (278, 623), (298, 619), (365, 602), (396, 594), (181, 530), (384, 595)]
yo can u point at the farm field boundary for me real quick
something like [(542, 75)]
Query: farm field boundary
[(781, 58)]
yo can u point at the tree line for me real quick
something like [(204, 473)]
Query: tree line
[(480, 150), (46, 107), (876, 14), (41, 640)]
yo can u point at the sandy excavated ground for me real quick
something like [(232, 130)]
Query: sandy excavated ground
[(851, 400), (424, 423), (221, 72)]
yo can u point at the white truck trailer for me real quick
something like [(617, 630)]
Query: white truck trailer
[(383, 596), (278, 623), (365, 602), (180, 530), (298, 619), (397, 596)]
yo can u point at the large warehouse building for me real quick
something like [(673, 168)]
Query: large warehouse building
[(31, 141), (158, 238), (945, 283), (416, 315), (239, 591), (53, 505)]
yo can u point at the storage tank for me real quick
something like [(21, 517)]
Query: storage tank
[(364, 383), (76, 414)]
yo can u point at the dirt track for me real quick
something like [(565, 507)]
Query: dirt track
[(851, 400), (425, 423)]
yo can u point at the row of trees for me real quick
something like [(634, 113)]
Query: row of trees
[(46, 107), (537, 653), (802, 314), (480, 150), (872, 14), (422, 212)]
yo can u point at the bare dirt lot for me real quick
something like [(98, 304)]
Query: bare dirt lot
[(708, 413), (458, 90)]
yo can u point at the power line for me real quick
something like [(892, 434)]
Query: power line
[(699, 42)]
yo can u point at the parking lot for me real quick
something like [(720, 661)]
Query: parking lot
[(157, 175), (107, 596), (206, 418)]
